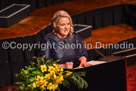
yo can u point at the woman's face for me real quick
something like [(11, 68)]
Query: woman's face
[(63, 27)]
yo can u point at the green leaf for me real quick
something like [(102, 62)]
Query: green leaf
[(82, 82), (16, 75), (31, 80), (19, 83), (34, 73), (36, 89), (21, 88), (85, 84), (66, 83), (32, 63), (38, 61), (57, 60), (27, 89), (42, 58), (25, 72), (58, 89), (73, 79), (31, 68), (80, 73), (78, 80), (79, 85)]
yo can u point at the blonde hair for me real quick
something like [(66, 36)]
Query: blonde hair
[(60, 14)]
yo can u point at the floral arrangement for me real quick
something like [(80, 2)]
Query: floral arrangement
[(48, 76)]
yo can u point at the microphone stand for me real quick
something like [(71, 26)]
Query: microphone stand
[(100, 53), (106, 58)]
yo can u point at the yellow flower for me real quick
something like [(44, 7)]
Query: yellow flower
[(60, 79), (37, 83), (55, 77), (61, 69), (29, 85), (68, 73), (39, 78), (55, 65), (49, 86), (43, 68), (47, 76), (60, 74), (42, 88), (54, 86), (57, 70), (34, 85), (44, 82), (51, 69)]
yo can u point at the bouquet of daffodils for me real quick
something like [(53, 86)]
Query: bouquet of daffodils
[(47, 76)]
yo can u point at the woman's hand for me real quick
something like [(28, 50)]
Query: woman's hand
[(62, 65), (83, 62), (67, 65)]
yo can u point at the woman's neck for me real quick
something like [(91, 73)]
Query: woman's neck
[(59, 35)]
